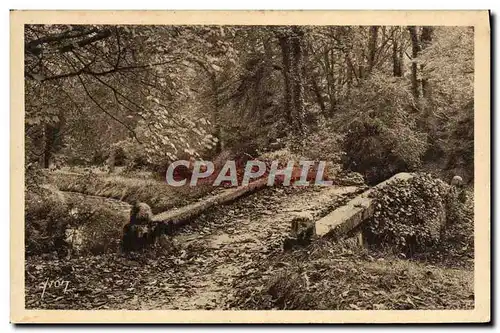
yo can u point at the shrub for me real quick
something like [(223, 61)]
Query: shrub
[(53, 224), (380, 130), (46, 218), (282, 156), (378, 151), (92, 229), (409, 214), (323, 145)]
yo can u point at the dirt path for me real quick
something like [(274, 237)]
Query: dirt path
[(236, 237)]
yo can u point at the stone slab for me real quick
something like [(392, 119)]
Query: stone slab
[(346, 218)]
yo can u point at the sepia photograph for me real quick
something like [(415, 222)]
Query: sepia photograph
[(260, 162)]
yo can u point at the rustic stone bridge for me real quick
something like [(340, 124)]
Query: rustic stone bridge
[(341, 221), (348, 217)]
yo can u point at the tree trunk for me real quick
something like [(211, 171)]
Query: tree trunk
[(52, 139), (372, 47), (50, 133), (265, 88), (297, 79), (292, 46), (287, 74), (415, 48), (426, 38), (395, 60), (112, 160), (397, 56), (216, 120), (349, 73), (330, 79), (317, 93), (179, 217)]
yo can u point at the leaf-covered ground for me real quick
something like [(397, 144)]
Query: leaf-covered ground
[(197, 269), (231, 258), (329, 276)]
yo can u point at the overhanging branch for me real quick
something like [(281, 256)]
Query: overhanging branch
[(106, 112)]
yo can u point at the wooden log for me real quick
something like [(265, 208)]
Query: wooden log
[(178, 217)]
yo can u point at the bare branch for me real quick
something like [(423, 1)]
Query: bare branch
[(106, 112), (33, 46), (100, 35)]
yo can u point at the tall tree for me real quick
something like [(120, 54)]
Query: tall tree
[(372, 47), (291, 40), (425, 39), (397, 52), (415, 49)]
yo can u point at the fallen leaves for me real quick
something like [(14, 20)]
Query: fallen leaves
[(326, 281), (223, 262)]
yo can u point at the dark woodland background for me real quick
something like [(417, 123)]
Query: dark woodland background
[(386, 98)]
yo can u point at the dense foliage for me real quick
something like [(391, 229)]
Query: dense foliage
[(56, 224), (143, 96), (382, 138), (421, 215), (409, 214)]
